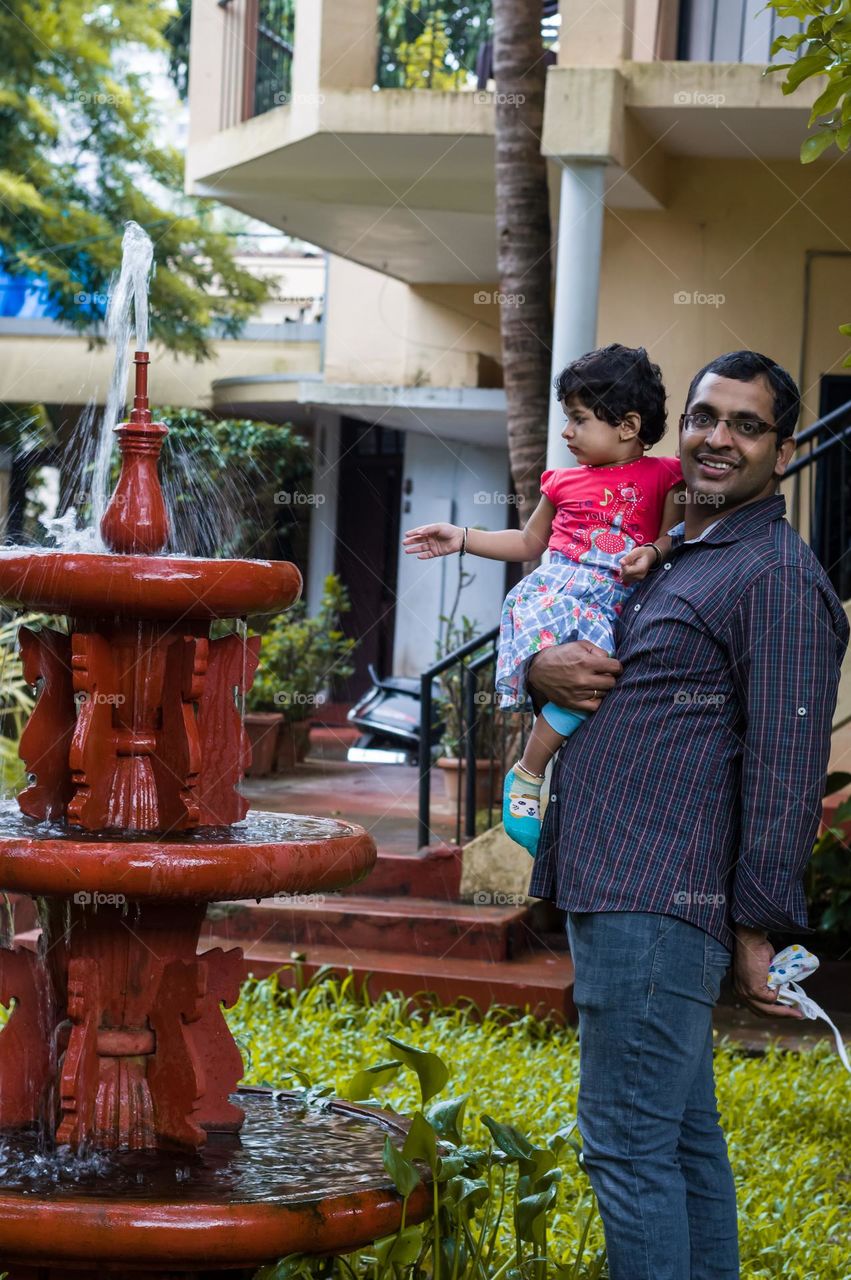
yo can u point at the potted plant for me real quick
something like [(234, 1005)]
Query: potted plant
[(300, 656)]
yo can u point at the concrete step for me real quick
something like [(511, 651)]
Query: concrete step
[(407, 925), (432, 873), (537, 980)]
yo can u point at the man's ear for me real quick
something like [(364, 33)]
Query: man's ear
[(784, 455), (629, 426)]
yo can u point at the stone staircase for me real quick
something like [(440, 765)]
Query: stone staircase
[(405, 928)]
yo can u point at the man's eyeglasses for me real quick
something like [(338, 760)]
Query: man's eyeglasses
[(705, 423)]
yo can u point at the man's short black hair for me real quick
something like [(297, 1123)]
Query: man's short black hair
[(745, 366), (614, 381)]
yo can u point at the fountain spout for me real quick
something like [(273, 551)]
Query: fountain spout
[(135, 520)]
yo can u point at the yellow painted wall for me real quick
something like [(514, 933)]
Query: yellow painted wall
[(381, 330)]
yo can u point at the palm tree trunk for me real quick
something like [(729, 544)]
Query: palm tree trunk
[(523, 239)]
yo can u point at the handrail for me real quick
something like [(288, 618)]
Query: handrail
[(816, 427), (426, 714), (800, 464)]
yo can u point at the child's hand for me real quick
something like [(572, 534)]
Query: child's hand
[(636, 564), (431, 540)]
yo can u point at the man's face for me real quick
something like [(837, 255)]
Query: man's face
[(723, 468)]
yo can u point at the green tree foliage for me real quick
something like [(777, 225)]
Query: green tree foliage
[(429, 45), (822, 48), (79, 157)]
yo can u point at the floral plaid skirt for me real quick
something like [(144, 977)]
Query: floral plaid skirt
[(558, 602)]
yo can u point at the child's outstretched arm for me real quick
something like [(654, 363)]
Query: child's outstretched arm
[(636, 564), (529, 543)]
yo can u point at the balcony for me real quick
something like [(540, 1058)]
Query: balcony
[(366, 128)]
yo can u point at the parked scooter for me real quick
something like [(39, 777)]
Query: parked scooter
[(389, 716)]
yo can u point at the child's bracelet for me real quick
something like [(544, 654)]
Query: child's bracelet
[(658, 554), (463, 550)]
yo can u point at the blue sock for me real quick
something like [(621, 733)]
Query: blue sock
[(521, 808), (563, 721)]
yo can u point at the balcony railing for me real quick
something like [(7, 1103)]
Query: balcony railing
[(257, 58), (731, 31)]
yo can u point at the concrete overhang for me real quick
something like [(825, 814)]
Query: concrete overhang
[(473, 415), (704, 109)]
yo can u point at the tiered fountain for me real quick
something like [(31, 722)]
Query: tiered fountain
[(125, 1147)]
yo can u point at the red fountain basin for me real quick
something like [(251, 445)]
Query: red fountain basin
[(278, 1193), (145, 586), (268, 853)]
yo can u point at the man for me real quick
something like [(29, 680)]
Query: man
[(682, 816)]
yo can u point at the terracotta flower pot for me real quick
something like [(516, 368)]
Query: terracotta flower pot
[(293, 742), (454, 776), (263, 728)]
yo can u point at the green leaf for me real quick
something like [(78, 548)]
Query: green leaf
[(811, 64), (364, 1083), (448, 1116), (403, 1174), (509, 1140), (400, 1250), (530, 1213), (421, 1141), (431, 1070), (826, 101), (813, 146)]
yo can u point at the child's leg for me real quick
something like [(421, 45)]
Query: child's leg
[(521, 804)]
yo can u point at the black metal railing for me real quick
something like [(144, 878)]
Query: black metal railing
[(486, 739), (823, 477), (737, 31), (257, 57)]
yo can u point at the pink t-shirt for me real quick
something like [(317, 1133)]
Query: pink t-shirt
[(608, 509)]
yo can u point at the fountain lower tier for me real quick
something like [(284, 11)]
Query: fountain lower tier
[(300, 1180), (117, 1037)]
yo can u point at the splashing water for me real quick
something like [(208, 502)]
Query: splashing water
[(137, 251)]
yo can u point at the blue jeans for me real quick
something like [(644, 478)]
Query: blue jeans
[(654, 1151)]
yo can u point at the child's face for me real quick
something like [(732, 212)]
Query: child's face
[(592, 440)]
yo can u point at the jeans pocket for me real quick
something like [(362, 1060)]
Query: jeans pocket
[(716, 962)]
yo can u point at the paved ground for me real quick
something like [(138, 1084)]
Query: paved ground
[(382, 798)]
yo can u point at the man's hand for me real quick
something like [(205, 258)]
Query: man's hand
[(752, 955), (576, 675)]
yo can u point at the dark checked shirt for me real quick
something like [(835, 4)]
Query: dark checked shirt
[(695, 790)]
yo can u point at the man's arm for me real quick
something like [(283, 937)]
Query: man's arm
[(785, 656), (574, 675)]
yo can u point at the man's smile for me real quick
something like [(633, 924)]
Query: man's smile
[(710, 464)]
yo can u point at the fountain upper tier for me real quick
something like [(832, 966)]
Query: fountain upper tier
[(139, 583)]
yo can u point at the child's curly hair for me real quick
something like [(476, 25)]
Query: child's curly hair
[(614, 381)]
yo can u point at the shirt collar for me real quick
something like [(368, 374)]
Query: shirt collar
[(738, 525)]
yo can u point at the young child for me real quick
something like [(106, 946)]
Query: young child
[(604, 523)]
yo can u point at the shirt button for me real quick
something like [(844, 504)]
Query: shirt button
[(802, 711), (666, 566), (635, 608), (553, 799)]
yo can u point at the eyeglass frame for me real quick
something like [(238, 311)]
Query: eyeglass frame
[(731, 424)]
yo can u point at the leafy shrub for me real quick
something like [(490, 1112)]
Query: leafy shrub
[(786, 1117)]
